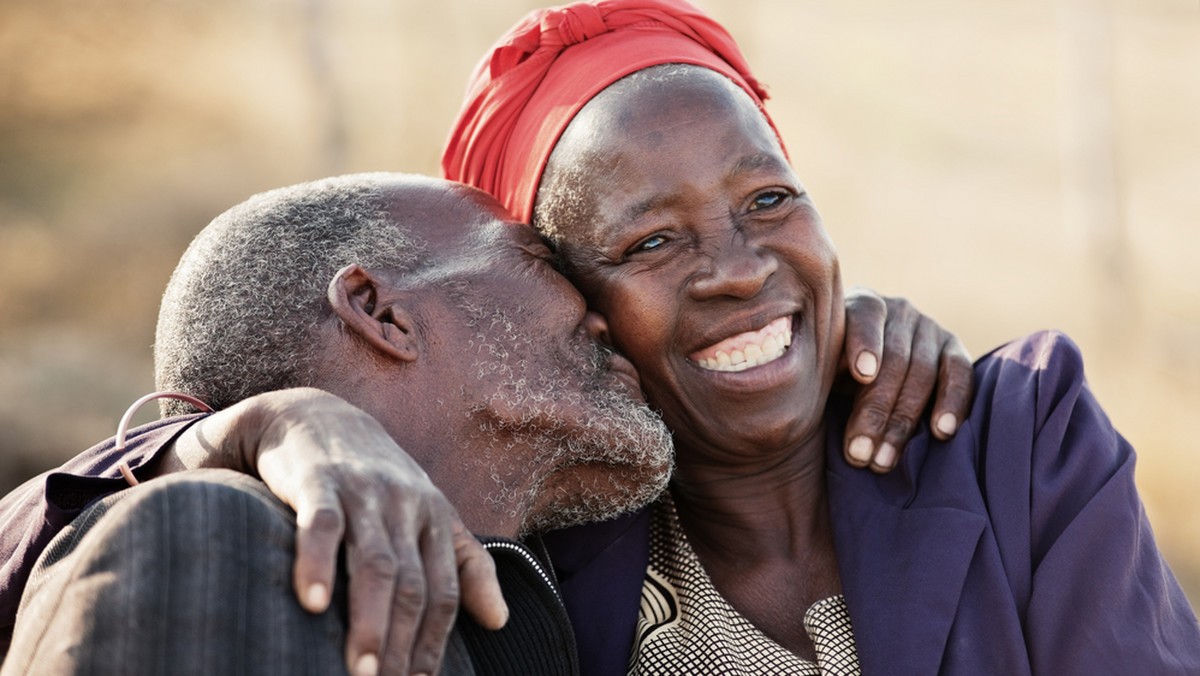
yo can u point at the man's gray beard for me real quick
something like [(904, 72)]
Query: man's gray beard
[(614, 431)]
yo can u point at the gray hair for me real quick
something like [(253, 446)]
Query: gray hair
[(240, 314)]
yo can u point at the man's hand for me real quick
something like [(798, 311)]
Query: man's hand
[(918, 355), (407, 553)]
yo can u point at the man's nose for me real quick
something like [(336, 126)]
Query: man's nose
[(597, 327)]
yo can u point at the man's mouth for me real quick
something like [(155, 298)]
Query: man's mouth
[(747, 350)]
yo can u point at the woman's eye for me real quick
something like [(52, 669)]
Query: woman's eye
[(768, 200), (651, 243)]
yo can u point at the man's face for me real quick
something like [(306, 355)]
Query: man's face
[(548, 403)]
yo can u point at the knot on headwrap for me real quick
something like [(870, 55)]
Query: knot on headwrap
[(575, 23), (539, 74)]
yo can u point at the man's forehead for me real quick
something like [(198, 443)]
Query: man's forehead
[(487, 230), (462, 228), (439, 210)]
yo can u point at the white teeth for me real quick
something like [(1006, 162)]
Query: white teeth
[(770, 345), (751, 355)]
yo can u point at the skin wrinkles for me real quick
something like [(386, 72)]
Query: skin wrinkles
[(612, 246)]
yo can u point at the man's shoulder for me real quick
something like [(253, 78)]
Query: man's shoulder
[(35, 512)]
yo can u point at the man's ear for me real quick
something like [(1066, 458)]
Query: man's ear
[(371, 309)]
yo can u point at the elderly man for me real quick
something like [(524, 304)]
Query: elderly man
[(380, 289), (410, 298)]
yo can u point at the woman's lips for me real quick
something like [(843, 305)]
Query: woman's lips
[(747, 350)]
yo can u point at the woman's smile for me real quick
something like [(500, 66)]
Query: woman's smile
[(747, 350)]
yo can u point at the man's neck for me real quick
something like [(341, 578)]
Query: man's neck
[(461, 466), (479, 513)]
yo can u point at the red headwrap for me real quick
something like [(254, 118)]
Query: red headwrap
[(538, 75)]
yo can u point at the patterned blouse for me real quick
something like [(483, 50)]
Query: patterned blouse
[(685, 626)]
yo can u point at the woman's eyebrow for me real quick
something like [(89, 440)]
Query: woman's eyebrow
[(639, 209), (754, 162)]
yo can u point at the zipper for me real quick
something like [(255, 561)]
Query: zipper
[(528, 557)]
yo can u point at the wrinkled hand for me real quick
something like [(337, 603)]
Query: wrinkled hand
[(407, 553), (918, 356)]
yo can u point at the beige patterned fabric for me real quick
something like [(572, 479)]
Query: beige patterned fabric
[(686, 627)]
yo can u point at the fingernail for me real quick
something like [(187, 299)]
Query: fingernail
[(866, 363), (947, 423), (316, 597), (861, 449), (886, 457), (367, 665)]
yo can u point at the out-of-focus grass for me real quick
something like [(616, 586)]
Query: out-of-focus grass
[(953, 148)]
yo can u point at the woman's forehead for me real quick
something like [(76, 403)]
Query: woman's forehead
[(628, 128), (637, 115), (634, 117), (648, 98)]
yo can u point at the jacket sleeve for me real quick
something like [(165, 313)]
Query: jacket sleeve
[(1101, 598), (32, 514)]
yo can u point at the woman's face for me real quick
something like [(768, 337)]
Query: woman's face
[(681, 221)]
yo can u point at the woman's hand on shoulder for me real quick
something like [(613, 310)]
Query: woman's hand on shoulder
[(901, 359)]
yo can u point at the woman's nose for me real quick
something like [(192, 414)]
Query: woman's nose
[(737, 269)]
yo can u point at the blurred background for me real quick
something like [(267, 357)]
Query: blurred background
[(1008, 165)]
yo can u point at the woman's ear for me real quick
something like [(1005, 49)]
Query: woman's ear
[(372, 310)]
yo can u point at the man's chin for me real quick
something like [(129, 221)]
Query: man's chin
[(596, 492)]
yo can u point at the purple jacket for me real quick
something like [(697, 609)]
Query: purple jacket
[(1018, 547)]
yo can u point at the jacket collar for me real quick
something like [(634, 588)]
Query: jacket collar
[(903, 561)]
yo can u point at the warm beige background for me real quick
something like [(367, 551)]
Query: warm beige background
[(1007, 165)]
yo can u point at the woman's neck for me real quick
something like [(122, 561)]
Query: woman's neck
[(765, 507), (764, 536)]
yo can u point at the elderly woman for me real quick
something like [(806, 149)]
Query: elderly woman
[(634, 135), (402, 551)]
